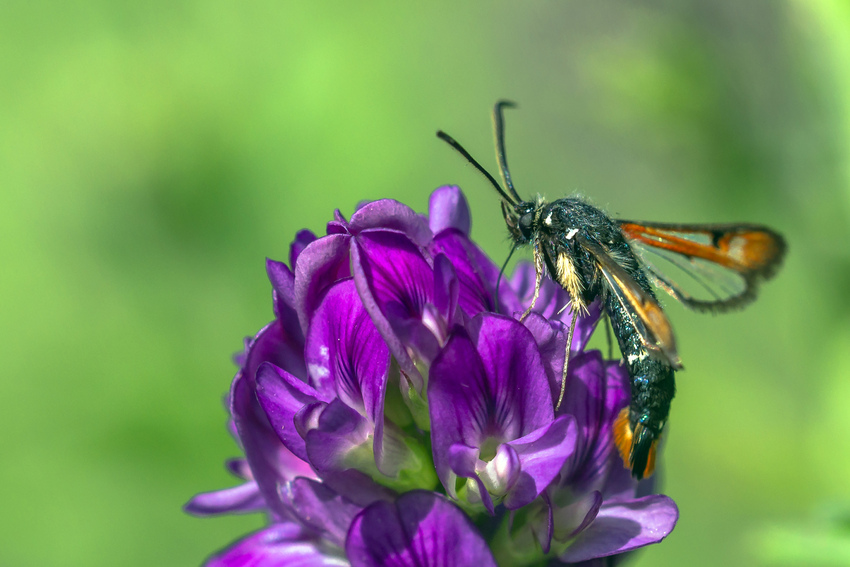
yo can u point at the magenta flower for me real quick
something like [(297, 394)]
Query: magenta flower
[(390, 415)]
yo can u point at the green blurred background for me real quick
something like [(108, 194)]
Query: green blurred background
[(152, 155)]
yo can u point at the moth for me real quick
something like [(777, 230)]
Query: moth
[(707, 267)]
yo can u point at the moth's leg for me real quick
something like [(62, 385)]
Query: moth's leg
[(499, 279), (567, 359), (538, 268)]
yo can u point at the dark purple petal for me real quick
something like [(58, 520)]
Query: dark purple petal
[(446, 290), (283, 297), (585, 398), (320, 264), (237, 500), (552, 298), (394, 216), (302, 239), (624, 526), (347, 357), (400, 278), (517, 385), (321, 509), (282, 397), (541, 455), (447, 208), (279, 545), (339, 225), (585, 325), (421, 529)]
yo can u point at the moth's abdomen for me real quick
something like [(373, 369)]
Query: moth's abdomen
[(638, 427)]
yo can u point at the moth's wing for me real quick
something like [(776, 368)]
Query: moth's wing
[(644, 313), (708, 267)]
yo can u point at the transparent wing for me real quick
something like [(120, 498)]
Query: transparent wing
[(709, 267), (645, 314)]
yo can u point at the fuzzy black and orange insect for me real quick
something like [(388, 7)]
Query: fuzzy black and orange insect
[(709, 267)]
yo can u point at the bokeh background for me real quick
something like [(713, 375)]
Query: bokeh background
[(153, 154)]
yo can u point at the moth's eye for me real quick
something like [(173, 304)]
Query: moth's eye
[(525, 221)]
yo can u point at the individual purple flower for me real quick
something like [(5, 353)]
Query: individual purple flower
[(399, 410), (496, 426)]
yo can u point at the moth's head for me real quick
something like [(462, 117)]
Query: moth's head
[(520, 220)]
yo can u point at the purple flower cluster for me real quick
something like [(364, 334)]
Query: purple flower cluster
[(398, 412)]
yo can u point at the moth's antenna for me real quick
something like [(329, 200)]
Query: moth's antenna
[(451, 141), (499, 130)]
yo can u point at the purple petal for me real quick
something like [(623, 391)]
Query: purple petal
[(394, 216), (394, 282), (574, 518), (552, 302), (447, 208), (273, 344), (237, 500), (347, 357), (345, 354), (596, 392), (421, 529), (457, 400), (239, 468), (495, 390), (551, 342), (476, 274), (541, 454), (282, 397), (279, 545), (400, 278), (340, 432), (302, 239), (269, 460), (339, 225), (585, 398), (624, 526), (320, 264)]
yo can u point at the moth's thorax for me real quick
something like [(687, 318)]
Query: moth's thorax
[(560, 228)]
